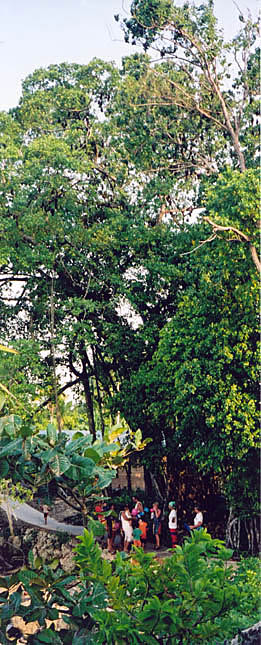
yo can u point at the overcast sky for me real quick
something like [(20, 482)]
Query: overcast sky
[(36, 33)]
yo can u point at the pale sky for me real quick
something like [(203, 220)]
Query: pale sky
[(37, 33)]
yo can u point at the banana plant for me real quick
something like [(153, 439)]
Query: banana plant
[(76, 468)]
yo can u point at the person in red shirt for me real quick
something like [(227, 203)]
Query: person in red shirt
[(99, 510)]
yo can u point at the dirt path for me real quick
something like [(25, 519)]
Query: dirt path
[(35, 518)]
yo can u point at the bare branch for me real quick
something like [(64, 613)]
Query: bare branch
[(232, 229), (59, 391), (202, 242), (104, 172), (240, 236)]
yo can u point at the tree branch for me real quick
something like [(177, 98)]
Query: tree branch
[(65, 500), (240, 235), (210, 239), (59, 391)]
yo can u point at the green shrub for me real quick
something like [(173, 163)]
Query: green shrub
[(247, 611), (187, 598), (193, 596)]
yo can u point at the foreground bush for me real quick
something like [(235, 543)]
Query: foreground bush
[(193, 596)]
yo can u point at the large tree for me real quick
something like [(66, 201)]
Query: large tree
[(65, 222), (192, 106), (101, 169), (198, 396), (77, 245)]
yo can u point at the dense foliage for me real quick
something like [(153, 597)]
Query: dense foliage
[(192, 596)]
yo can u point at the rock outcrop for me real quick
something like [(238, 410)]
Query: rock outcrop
[(48, 547)]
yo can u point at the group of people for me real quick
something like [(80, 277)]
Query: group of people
[(125, 529), (131, 526), (135, 524), (173, 522)]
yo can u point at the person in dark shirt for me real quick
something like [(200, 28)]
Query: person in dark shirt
[(156, 523)]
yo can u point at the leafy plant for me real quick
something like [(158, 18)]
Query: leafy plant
[(77, 468), (192, 596)]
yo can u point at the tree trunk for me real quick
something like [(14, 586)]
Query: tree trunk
[(255, 257), (98, 391), (57, 409), (9, 517), (85, 515), (157, 488), (128, 471), (230, 128), (147, 480), (89, 405)]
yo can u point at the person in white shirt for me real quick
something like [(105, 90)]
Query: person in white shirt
[(173, 524), (198, 519), (126, 523)]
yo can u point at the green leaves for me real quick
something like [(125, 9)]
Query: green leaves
[(4, 468), (59, 464), (52, 434), (72, 466), (11, 448), (48, 636), (169, 598), (97, 528), (202, 373), (149, 320), (238, 218), (150, 614), (191, 596), (92, 455)]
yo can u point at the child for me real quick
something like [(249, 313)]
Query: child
[(143, 526), (136, 532), (45, 510)]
